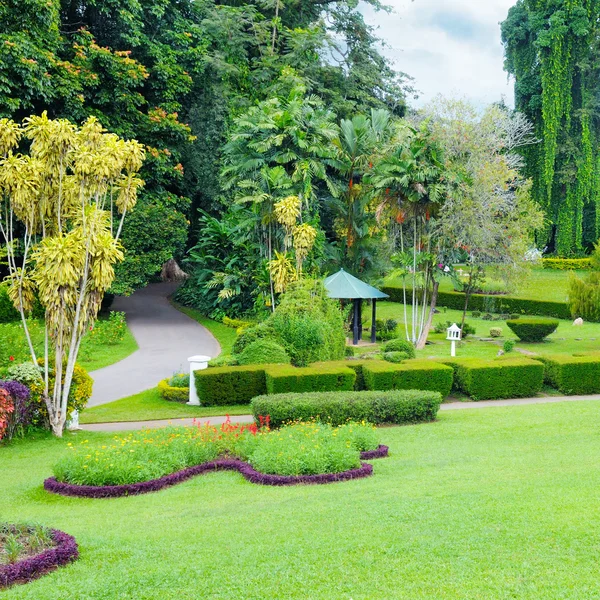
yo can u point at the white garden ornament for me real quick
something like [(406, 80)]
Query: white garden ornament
[(197, 363), (454, 335)]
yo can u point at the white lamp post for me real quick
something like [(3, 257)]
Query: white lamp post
[(197, 363), (454, 335)]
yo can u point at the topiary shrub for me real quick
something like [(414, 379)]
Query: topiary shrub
[(321, 378), (496, 332), (263, 352), (173, 393), (337, 408), (573, 375), (532, 330), (221, 386), (395, 357), (400, 345)]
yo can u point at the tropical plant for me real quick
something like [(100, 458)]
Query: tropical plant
[(71, 194)]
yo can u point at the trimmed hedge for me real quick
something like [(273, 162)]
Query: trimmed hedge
[(567, 264), (573, 375), (482, 379), (400, 345), (221, 386), (532, 330), (398, 407), (322, 378), (492, 304), (173, 394), (263, 352), (411, 375)]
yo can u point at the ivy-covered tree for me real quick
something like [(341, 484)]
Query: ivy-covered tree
[(553, 51)]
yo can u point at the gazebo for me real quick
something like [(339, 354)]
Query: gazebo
[(344, 286)]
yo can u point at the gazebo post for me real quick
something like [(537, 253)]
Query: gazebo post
[(374, 322), (360, 324), (355, 328)]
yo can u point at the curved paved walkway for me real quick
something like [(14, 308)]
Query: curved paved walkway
[(166, 338), (131, 425)]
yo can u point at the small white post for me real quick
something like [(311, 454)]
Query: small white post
[(454, 335), (197, 363), (73, 423)]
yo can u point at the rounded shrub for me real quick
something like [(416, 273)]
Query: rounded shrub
[(532, 330), (396, 357), (263, 352), (496, 332), (400, 345)]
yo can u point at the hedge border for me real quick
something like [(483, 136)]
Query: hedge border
[(481, 302), (28, 569), (225, 464), (177, 394)]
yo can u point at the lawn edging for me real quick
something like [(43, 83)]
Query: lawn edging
[(28, 569), (226, 464)]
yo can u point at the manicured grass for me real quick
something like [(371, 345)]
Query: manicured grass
[(567, 338), (149, 406), (226, 336), (491, 504), (540, 284), (94, 356)]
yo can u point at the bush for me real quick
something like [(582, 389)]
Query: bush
[(221, 386), (397, 407), (180, 380), (324, 377), (584, 297), (173, 393), (532, 330), (252, 334), (573, 375), (509, 346), (17, 423), (400, 345), (223, 361), (496, 332), (396, 357), (349, 351), (500, 378), (567, 264), (8, 313), (412, 375), (476, 314), (109, 331), (467, 330), (481, 302), (236, 323), (263, 352)]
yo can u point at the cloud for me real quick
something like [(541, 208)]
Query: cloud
[(450, 47)]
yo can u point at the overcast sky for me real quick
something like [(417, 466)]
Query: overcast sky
[(451, 47)]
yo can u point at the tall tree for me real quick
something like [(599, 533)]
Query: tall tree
[(553, 50)]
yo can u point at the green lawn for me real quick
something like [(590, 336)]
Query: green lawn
[(149, 406), (540, 284), (96, 356), (566, 339), (484, 504), (226, 336)]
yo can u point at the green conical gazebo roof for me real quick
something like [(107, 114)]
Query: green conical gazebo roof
[(345, 286)]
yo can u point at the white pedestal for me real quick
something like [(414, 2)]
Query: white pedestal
[(453, 349), (197, 363), (73, 422)]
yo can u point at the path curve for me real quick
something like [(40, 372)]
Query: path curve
[(166, 338)]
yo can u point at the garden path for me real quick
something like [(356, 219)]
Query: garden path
[(131, 425), (166, 338)]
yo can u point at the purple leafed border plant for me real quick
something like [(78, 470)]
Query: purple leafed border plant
[(28, 569), (251, 474)]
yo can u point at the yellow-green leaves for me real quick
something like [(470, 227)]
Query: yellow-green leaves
[(10, 134)]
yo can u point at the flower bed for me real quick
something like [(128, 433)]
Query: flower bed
[(149, 460), (64, 550)]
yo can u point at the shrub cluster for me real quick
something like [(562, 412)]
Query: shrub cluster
[(567, 264), (336, 408), (173, 393), (263, 352), (400, 345), (8, 312), (491, 304), (532, 330), (500, 378), (573, 375), (324, 377)]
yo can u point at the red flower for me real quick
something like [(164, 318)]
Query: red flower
[(11, 358)]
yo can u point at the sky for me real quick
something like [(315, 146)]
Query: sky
[(450, 47)]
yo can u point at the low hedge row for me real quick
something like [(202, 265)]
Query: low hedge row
[(173, 394), (567, 264), (481, 379), (492, 304), (220, 386), (324, 377), (573, 375), (337, 408)]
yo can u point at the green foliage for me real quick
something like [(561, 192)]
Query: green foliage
[(508, 346), (263, 352), (573, 375), (532, 330), (400, 345), (411, 375), (180, 380), (395, 357), (467, 329), (584, 296), (567, 264), (8, 313), (500, 378), (306, 449), (498, 304), (378, 407), (109, 331), (223, 386), (324, 377), (496, 332), (173, 393)]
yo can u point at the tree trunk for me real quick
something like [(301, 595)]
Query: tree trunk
[(425, 333)]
